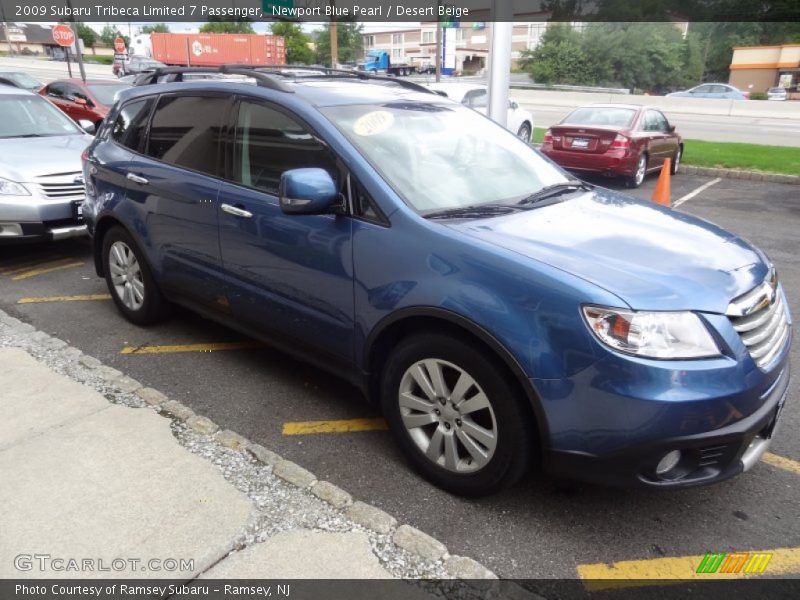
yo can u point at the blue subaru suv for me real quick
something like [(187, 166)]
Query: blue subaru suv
[(503, 314)]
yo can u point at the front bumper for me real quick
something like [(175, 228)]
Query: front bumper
[(706, 458), (38, 218)]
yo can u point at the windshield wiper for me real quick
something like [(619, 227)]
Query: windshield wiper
[(474, 211), (556, 189)]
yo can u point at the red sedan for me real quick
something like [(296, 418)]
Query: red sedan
[(624, 140), (91, 100)]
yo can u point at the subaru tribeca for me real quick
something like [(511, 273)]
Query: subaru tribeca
[(503, 314)]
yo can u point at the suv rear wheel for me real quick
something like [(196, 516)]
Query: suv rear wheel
[(455, 416), (130, 280)]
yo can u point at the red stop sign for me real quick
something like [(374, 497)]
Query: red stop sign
[(119, 45), (63, 35)]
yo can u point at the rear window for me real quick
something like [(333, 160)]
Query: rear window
[(604, 117)]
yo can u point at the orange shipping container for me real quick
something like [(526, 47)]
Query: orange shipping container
[(214, 49)]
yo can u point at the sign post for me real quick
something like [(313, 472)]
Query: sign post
[(64, 37)]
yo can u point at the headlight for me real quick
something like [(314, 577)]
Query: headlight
[(12, 188), (651, 334)]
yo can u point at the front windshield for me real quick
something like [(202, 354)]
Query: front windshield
[(23, 80), (33, 116), (440, 156), (106, 94)]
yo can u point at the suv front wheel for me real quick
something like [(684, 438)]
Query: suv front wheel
[(455, 416), (130, 280)]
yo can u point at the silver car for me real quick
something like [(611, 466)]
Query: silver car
[(41, 185), (777, 93)]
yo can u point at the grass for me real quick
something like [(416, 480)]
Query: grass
[(730, 155)]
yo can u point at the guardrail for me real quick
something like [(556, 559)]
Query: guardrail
[(569, 88)]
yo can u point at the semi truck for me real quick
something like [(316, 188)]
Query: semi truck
[(377, 61), (211, 49)]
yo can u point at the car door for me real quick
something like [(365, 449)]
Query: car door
[(56, 93), (670, 139), (81, 105), (290, 276), (174, 182), (658, 144)]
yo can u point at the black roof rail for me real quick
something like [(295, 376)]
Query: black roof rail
[(262, 79), (329, 72)]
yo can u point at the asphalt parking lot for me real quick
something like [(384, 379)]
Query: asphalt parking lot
[(540, 529)]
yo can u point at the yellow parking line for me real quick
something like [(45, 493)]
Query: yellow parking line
[(787, 464), (81, 298), (341, 426), (57, 265), (214, 347), (18, 265), (663, 571)]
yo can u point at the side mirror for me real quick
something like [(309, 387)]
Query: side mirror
[(513, 105), (87, 126), (307, 192), (671, 128), (79, 101)]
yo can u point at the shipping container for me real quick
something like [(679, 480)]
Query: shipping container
[(213, 49)]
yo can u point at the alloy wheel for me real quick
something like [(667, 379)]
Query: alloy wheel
[(447, 415), (641, 170), (126, 275)]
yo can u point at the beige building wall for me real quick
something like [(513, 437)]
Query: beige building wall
[(757, 68)]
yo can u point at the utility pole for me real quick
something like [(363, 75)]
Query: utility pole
[(5, 28), (438, 45), (78, 53), (334, 37), (502, 16)]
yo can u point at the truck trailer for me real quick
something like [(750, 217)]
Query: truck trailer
[(377, 61), (214, 49)]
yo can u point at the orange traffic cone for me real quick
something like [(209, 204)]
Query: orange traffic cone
[(661, 193)]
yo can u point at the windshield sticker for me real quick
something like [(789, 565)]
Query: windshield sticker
[(373, 123)]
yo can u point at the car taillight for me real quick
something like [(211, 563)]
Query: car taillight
[(85, 154), (548, 137), (621, 142)]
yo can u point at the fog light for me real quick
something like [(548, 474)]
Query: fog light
[(669, 462), (10, 230)]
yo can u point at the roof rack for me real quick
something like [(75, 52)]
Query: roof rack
[(262, 79)]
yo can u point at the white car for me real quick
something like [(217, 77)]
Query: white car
[(476, 96), (777, 93)]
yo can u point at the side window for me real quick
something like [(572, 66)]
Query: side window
[(703, 89), (186, 132), (663, 125), (56, 90), (131, 122), (362, 204), (268, 142)]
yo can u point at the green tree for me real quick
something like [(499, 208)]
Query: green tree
[(296, 42), (87, 34), (558, 58), (217, 26), (109, 34), (157, 28), (349, 36)]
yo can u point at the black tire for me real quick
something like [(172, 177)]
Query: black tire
[(676, 161), (524, 132), (635, 180), (154, 307), (515, 434)]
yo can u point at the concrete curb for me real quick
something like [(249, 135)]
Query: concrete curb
[(116, 385), (741, 174)]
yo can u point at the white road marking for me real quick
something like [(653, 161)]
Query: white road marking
[(694, 193)]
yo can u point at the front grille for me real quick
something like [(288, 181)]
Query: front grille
[(711, 456), (62, 186), (761, 319)]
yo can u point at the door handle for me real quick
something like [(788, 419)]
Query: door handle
[(235, 211), (136, 178)]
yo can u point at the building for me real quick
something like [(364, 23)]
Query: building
[(31, 39), (417, 46), (758, 68)]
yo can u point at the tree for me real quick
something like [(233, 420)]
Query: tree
[(349, 36), (296, 43), (214, 25), (157, 28), (558, 58), (87, 34)]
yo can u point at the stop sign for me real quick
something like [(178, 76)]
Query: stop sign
[(119, 45), (63, 35)]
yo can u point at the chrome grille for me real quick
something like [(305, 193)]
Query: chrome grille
[(62, 186), (761, 319)]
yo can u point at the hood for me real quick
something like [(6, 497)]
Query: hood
[(25, 159), (651, 257)]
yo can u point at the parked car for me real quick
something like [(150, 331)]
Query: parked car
[(721, 91), (476, 96), (90, 100), (135, 65), (777, 93), (19, 79), (626, 140), (502, 313), (41, 185)]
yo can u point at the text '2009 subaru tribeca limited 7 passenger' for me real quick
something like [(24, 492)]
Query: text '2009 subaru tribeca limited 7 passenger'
[(502, 313)]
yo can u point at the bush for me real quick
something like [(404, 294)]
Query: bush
[(27, 52), (100, 60), (758, 95)]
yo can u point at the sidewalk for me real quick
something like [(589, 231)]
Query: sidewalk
[(111, 476)]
